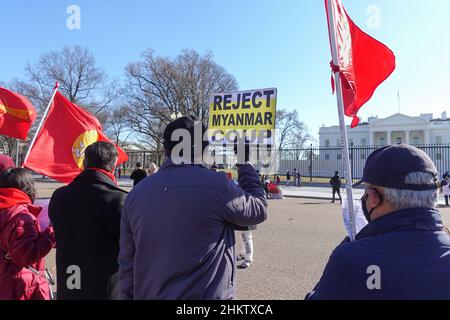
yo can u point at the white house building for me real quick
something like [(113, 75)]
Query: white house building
[(425, 131), (398, 128)]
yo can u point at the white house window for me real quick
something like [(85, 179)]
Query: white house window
[(382, 141), (363, 142), (339, 156), (399, 140), (416, 140), (327, 156), (338, 142), (438, 140), (327, 143)]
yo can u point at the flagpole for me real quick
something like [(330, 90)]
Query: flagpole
[(55, 89), (343, 128), (17, 152)]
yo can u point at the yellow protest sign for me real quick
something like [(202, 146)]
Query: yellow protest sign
[(243, 110)]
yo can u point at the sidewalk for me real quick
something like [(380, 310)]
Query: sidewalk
[(324, 193), (319, 192)]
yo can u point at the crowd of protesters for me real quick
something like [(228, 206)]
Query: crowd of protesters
[(173, 235)]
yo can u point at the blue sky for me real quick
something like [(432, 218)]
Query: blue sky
[(263, 43)]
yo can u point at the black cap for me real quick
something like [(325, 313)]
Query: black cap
[(389, 166), (188, 123)]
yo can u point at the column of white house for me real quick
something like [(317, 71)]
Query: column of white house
[(427, 136), (407, 135), (371, 138), (388, 139)]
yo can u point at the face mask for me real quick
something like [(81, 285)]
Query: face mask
[(368, 214)]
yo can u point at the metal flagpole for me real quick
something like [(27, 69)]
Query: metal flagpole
[(340, 104), (17, 153), (55, 89)]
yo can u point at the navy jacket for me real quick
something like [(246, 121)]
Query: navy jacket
[(411, 250), (177, 235)]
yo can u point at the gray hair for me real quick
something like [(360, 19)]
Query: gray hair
[(152, 168), (410, 199)]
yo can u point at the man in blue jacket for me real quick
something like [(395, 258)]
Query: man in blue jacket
[(404, 251), (177, 232)]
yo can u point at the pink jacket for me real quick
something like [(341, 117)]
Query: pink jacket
[(23, 245)]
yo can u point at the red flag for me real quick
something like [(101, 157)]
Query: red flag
[(16, 114), (59, 148), (363, 62)]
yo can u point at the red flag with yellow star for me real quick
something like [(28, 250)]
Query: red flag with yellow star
[(66, 133), (17, 114)]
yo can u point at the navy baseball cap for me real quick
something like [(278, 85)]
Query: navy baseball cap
[(389, 166)]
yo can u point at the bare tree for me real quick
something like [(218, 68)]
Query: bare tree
[(159, 86), (291, 132), (81, 81), (117, 125)]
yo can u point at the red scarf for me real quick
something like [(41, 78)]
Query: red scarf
[(9, 197), (108, 174)]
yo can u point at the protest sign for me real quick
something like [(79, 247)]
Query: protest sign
[(360, 219), (244, 118), (243, 110)]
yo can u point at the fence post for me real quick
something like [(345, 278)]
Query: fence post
[(352, 151), (311, 164)]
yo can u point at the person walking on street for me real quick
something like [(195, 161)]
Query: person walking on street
[(446, 191), (288, 178), (138, 174), (336, 186), (298, 181), (152, 169), (247, 240)]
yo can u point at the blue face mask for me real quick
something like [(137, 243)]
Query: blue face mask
[(368, 213)]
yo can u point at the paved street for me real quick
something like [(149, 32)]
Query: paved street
[(291, 247)]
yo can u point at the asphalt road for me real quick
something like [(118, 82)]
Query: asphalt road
[(290, 249)]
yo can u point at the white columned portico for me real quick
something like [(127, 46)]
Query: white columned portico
[(426, 134), (389, 137), (407, 136)]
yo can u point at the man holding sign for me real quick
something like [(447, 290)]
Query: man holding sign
[(248, 116)]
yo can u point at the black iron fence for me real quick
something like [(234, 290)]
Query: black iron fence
[(318, 163), (145, 158), (315, 164)]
